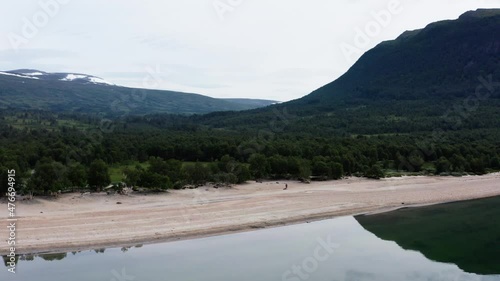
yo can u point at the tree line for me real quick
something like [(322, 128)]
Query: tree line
[(78, 155)]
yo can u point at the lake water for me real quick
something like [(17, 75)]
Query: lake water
[(330, 250)]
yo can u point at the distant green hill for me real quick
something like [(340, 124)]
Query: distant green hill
[(254, 102), (425, 79), (65, 92)]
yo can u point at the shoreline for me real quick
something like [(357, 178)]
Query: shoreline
[(240, 229), (97, 221)]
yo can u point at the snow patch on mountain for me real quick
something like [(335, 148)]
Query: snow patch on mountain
[(34, 74), (47, 76), (71, 77), (91, 79), (18, 75), (97, 80)]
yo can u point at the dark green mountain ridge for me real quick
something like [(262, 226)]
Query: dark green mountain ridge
[(403, 85)]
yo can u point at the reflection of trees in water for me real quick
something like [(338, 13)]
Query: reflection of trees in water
[(53, 257), (58, 256), (125, 249), (6, 260), (46, 257), (27, 257)]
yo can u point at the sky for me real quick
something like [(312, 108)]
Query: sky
[(278, 49)]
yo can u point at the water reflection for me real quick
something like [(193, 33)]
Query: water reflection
[(466, 233), (59, 256), (332, 250), (7, 260)]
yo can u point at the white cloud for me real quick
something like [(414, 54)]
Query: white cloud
[(280, 49)]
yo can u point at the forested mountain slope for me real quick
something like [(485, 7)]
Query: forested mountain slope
[(445, 75)]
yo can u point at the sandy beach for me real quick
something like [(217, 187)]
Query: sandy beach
[(79, 222)]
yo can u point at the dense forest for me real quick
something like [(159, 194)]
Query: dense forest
[(66, 151)]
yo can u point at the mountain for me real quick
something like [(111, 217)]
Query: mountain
[(66, 77), (253, 102), (445, 59), (74, 92), (423, 80)]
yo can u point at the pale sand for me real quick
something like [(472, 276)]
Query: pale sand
[(76, 222)]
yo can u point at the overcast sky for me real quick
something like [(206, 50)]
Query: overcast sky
[(271, 49)]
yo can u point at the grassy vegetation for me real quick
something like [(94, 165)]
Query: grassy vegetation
[(116, 171)]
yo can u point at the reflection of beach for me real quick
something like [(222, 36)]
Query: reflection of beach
[(82, 222)]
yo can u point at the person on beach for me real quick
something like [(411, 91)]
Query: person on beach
[(286, 186)]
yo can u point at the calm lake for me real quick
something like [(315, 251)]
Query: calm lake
[(455, 242)]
